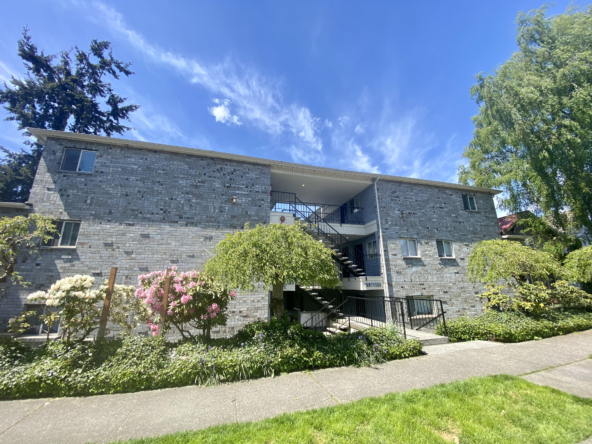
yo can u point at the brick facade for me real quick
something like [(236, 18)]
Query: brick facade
[(143, 210), (428, 214), (147, 209)]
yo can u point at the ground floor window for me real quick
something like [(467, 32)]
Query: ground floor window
[(66, 235), (420, 305), (445, 248)]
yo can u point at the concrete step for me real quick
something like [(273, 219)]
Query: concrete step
[(426, 338)]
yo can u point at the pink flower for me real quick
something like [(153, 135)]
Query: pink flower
[(185, 298), (213, 315), (192, 284), (170, 312), (154, 333), (179, 288), (204, 317), (215, 307), (174, 304), (233, 293)]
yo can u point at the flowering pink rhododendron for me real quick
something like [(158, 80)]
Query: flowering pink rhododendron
[(195, 301)]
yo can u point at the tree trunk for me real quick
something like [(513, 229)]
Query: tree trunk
[(276, 306)]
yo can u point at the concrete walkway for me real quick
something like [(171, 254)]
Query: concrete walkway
[(565, 361)]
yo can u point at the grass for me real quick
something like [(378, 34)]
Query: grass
[(495, 409)]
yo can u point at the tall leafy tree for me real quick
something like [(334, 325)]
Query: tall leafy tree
[(533, 133), (66, 92), (274, 255)]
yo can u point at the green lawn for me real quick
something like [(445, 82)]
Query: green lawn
[(496, 409)]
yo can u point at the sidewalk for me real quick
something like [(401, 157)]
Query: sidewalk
[(107, 418)]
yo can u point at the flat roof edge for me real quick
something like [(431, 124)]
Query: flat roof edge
[(42, 135)]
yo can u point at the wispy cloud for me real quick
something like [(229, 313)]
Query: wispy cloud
[(257, 100), (6, 72)]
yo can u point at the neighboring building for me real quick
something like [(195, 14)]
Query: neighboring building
[(142, 206), (511, 229)]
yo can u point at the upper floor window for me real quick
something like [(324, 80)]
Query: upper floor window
[(469, 202), (409, 247), (445, 248), (81, 161), (371, 249), (66, 235)]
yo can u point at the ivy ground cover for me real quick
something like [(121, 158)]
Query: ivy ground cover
[(144, 363)]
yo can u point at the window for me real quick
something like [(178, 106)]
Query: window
[(66, 236), (81, 161), (371, 249), (420, 306), (469, 202), (445, 248), (409, 247)]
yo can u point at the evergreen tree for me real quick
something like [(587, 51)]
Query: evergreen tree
[(65, 92)]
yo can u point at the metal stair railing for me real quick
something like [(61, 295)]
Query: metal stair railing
[(283, 201), (425, 313), (309, 322), (332, 312)]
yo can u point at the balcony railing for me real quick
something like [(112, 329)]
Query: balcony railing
[(332, 214)]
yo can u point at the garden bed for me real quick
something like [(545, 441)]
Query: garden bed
[(517, 327), (145, 363)]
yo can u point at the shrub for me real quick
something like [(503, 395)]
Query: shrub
[(78, 304), (578, 265), (571, 297), (195, 300), (126, 310), (143, 363), (535, 299), (516, 327)]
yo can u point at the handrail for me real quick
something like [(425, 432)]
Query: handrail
[(316, 313), (330, 313), (334, 237)]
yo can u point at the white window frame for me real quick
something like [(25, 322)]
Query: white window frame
[(444, 249), (64, 222), (407, 239), (79, 159), (372, 249), (471, 199)]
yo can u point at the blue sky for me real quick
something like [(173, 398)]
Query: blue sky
[(369, 86)]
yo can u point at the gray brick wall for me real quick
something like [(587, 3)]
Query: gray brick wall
[(143, 210), (428, 214)]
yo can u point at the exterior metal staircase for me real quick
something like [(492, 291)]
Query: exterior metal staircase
[(317, 227)]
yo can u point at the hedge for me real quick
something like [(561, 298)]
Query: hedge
[(516, 327), (146, 363)]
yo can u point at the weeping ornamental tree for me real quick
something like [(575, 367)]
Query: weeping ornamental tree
[(499, 260), (533, 133), (274, 255)]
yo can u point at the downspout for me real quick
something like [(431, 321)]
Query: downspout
[(382, 261)]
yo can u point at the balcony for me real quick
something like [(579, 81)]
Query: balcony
[(284, 202)]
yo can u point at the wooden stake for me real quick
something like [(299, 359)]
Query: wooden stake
[(107, 304), (165, 301)]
